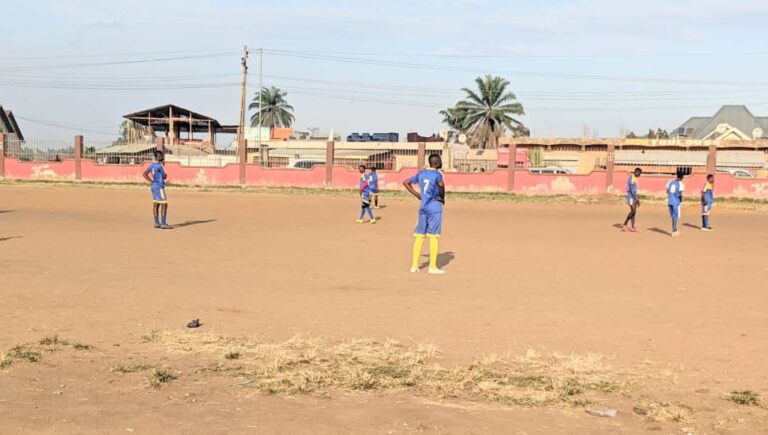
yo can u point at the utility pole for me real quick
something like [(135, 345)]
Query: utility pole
[(261, 87), (241, 127)]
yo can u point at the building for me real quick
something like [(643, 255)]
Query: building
[(8, 125), (730, 123), (174, 121)]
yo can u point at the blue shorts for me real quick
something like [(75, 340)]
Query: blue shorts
[(674, 210), (158, 195), (630, 200), (366, 198), (706, 208), (429, 224)]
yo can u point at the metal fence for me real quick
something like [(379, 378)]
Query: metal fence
[(117, 152), (40, 150), (662, 162), (288, 157)]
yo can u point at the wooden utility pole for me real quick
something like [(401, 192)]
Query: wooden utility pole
[(261, 87), (241, 127)]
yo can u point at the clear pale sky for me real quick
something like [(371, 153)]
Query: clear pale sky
[(606, 64)]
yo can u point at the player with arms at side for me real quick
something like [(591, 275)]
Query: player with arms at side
[(707, 200), (632, 200), (156, 175), (675, 189), (365, 197), (432, 196), (373, 184)]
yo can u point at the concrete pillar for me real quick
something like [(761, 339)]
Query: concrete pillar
[(609, 167), (511, 167), (242, 152), (264, 155), (712, 159), (160, 144), (330, 151), (78, 157), (422, 156), (3, 148)]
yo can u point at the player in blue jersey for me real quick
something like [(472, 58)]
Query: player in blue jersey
[(156, 175), (365, 197), (373, 184), (675, 189), (632, 200), (432, 196), (707, 200)]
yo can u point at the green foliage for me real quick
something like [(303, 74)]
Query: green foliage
[(275, 111), (486, 113)]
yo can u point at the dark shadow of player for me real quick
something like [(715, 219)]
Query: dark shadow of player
[(190, 223)]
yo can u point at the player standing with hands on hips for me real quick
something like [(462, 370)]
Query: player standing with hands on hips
[(432, 196), (156, 175)]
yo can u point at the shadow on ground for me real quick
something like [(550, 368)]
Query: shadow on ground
[(190, 223)]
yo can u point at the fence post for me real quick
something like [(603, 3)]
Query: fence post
[(160, 144), (712, 159), (609, 167), (511, 166), (421, 156), (78, 157), (330, 151), (2, 154), (242, 151)]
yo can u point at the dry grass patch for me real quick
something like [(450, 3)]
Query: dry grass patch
[(664, 411), (304, 365), (745, 397)]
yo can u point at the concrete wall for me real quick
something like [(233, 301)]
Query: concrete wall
[(345, 178)]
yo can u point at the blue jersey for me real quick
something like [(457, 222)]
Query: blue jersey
[(631, 186), (373, 182), (363, 183), (157, 172), (428, 180), (709, 193), (675, 190)]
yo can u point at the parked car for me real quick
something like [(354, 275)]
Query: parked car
[(550, 170), (739, 173), (306, 164)]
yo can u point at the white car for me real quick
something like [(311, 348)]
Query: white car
[(550, 170), (739, 173), (305, 163)]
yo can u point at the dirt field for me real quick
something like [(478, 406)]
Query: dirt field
[(680, 323)]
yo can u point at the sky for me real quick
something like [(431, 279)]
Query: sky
[(580, 67)]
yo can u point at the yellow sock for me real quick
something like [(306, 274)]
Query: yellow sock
[(433, 242), (418, 243)]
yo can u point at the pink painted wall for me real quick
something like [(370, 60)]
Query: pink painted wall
[(17, 170), (590, 184), (346, 178), (255, 175), (725, 185)]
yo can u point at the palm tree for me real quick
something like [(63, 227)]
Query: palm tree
[(487, 113), (276, 111)]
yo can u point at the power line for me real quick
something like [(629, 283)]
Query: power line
[(112, 54), (433, 67), (71, 127), (114, 63)]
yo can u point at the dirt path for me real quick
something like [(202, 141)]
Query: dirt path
[(85, 263)]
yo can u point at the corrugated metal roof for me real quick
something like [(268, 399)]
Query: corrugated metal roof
[(127, 148)]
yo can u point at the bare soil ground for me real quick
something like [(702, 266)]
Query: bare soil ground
[(312, 324)]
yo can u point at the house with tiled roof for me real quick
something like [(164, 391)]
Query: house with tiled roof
[(9, 126), (730, 123)]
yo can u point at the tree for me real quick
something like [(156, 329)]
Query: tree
[(131, 131), (651, 134), (631, 135), (276, 111), (486, 114)]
